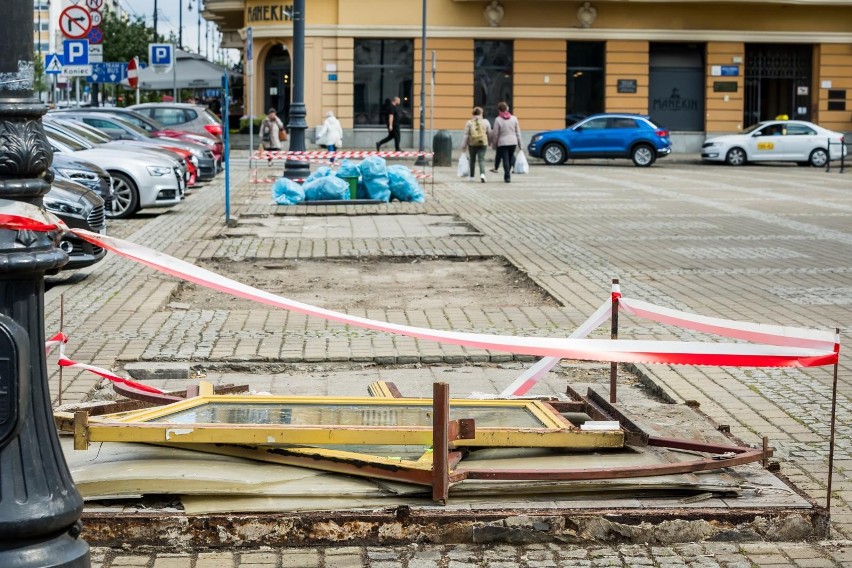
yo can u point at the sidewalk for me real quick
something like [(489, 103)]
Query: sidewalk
[(758, 244)]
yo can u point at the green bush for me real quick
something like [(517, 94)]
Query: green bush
[(244, 124)]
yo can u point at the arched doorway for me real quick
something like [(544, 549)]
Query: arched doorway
[(276, 93)]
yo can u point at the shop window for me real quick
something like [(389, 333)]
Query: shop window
[(585, 80), (492, 75), (384, 68), (837, 99)]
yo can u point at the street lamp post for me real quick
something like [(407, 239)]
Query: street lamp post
[(156, 35), (298, 169), (40, 507), (421, 159)]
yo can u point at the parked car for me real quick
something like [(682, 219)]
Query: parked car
[(138, 181), (186, 116), (115, 132), (607, 135), (777, 141), (84, 173), (208, 160), (79, 208)]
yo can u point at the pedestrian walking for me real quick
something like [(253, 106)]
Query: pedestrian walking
[(506, 138), (392, 124), (330, 134), (475, 142), (272, 132)]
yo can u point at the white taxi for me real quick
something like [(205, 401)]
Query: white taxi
[(777, 140)]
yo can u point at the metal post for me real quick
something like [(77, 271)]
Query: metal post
[(440, 442), (156, 34), (296, 169), (421, 158), (40, 507), (198, 42), (833, 421), (174, 74), (227, 150), (180, 24), (613, 367), (249, 51)]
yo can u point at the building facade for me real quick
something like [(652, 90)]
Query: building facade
[(697, 68)]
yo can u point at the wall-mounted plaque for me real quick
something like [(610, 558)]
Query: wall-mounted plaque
[(626, 85), (724, 86)]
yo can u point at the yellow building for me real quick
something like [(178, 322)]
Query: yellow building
[(698, 68)]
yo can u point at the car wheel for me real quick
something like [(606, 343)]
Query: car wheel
[(643, 156), (819, 158), (125, 200), (735, 157), (554, 154)]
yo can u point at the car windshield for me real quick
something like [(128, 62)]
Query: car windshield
[(140, 120), (64, 139), (754, 127), (87, 134), (132, 127), (211, 116)]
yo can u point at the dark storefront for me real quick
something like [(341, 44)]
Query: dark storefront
[(676, 86)]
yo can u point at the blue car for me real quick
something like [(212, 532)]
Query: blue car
[(608, 135)]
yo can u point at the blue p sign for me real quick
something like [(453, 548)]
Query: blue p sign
[(76, 52), (160, 54)]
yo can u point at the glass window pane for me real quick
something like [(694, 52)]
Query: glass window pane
[(383, 69), (347, 415), (585, 80), (492, 75)]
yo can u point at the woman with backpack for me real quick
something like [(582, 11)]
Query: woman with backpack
[(475, 142)]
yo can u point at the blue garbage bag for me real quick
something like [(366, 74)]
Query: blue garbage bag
[(326, 188), (348, 169), (403, 185), (287, 192), (374, 172), (321, 171)]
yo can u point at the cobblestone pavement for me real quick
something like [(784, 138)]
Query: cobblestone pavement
[(759, 243)]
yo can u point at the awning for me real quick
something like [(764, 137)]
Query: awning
[(193, 72)]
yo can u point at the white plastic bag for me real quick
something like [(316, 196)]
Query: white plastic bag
[(521, 164), (464, 166)]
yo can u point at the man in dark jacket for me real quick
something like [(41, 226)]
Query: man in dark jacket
[(393, 126)]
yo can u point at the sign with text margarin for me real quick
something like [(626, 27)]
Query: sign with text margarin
[(269, 12)]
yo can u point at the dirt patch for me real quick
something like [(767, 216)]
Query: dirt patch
[(376, 284)]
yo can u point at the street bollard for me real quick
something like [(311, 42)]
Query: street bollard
[(442, 146), (40, 507)]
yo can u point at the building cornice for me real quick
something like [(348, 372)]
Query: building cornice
[(597, 34)]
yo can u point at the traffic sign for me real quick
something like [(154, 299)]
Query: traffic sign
[(133, 73), (95, 4), (249, 43), (96, 18), (96, 53), (108, 72), (76, 51), (95, 35), (77, 70), (53, 63), (160, 54), (75, 22)]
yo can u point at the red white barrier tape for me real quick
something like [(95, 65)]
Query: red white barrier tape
[(418, 174), (621, 351), (278, 154), (60, 339)]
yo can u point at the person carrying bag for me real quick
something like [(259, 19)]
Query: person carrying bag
[(272, 132), (506, 138)]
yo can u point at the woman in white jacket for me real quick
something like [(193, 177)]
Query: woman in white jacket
[(330, 133)]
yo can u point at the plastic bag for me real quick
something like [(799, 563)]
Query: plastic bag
[(326, 188), (403, 185), (321, 171), (521, 165), (348, 169), (287, 192), (374, 173), (464, 166)]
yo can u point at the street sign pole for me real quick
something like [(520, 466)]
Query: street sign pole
[(174, 74), (250, 69), (77, 90), (227, 150)]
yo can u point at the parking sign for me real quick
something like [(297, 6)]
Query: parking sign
[(160, 54), (76, 52)]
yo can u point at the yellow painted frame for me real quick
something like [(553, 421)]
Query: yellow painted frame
[(142, 426)]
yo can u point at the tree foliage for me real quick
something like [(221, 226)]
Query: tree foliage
[(125, 38)]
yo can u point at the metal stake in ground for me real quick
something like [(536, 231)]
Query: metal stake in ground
[(613, 367), (831, 438), (39, 504)]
